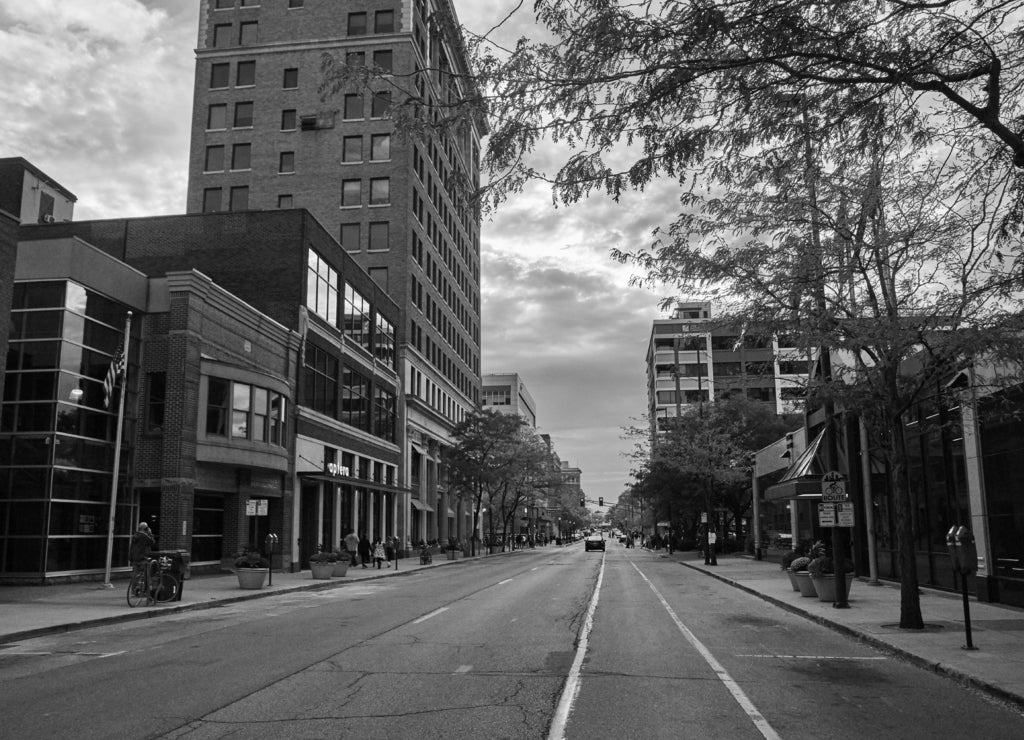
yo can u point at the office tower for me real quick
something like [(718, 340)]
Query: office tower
[(264, 138)]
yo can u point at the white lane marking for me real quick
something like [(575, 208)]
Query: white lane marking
[(752, 712), (434, 613), (572, 681), (502, 583), (464, 669), (533, 569), (812, 657)]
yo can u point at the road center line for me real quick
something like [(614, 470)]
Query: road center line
[(756, 717), (434, 613), (572, 681), (502, 583)]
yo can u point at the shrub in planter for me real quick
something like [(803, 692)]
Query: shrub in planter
[(789, 557), (251, 568)]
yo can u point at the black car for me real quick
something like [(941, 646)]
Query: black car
[(594, 542)]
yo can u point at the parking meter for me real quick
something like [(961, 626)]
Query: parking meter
[(968, 551), (270, 544), (954, 556)]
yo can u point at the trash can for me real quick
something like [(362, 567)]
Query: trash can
[(177, 569)]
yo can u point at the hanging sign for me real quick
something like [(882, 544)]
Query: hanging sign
[(833, 487)]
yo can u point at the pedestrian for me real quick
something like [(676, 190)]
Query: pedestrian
[(141, 545), (365, 550), (378, 553), (390, 546), (352, 547)]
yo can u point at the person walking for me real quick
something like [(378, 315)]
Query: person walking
[(378, 553), (390, 548), (365, 550), (352, 547)]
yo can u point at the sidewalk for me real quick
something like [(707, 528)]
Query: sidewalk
[(996, 667), (32, 611)]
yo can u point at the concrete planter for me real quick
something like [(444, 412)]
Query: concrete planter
[(340, 569), (792, 579), (803, 580), (321, 571), (251, 578), (826, 586)]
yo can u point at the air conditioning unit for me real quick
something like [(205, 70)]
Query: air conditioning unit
[(47, 218)]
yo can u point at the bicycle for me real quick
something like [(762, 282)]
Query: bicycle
[(152, 583)]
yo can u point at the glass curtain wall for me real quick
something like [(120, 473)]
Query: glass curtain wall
[(57, 433)]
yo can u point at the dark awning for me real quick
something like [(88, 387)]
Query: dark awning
[(348, 480), (419, 505), (803, 478)]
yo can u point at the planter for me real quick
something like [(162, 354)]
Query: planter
[(251, 578), (792, 579), (340, 569), (321, 571), (826, 586), (803, 581), (453, 554)]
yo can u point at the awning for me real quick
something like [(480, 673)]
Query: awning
[(451, 513), (348, 480), (419, 505), (803, 478)]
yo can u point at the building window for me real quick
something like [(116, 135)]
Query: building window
[(278, 405), (212, 198), (355, 58), (379, 235), (355, 400), (239, 198), (243, 114), (381, 104), (214, 159), (248, 33), (322, 288), (218, 405), (383, 60), (380, 191), (357, 24), (291, 78), (384, 414), (320, 381), (352, 149), (287, 163), (221, 35), (379, 275), (292, 4), (156, 397), (384, 21), (384, 341), (241, 157), (350, 236), (250, 3), (245, 76), (217, 117), (219, 75), (284, 201), (380, 147), (351, 193), (357, 318), (289, 120), (353, 106), (224, 4), (241, 405)]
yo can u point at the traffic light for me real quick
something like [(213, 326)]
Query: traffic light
[(583, 501), (600, 500)]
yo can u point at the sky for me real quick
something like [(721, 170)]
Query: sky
[(98, 95)]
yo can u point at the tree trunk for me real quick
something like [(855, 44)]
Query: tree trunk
[(910, 598)]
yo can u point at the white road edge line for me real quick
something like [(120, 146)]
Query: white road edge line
[(434, 613), (502, 583), (572, 681), (756, 717)]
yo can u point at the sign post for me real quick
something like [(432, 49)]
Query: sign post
[(835, 510)]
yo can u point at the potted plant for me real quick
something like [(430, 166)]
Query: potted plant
[(803, 579), (341, 563), (454, 548), (321, 563), (822, 572), (251, 568), (787, 563)]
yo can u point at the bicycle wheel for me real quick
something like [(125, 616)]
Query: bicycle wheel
[(166, 588), (137, 589)]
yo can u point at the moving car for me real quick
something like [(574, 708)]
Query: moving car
[(594, 542)]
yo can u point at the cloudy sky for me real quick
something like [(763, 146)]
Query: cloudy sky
[(98, 95)]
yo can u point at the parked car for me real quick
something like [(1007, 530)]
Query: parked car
[(594, 542)]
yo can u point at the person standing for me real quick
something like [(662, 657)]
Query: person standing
[(365, 550), (352, 547), (378, 553), (140, 546)]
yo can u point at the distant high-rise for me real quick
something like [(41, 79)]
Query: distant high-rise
[(507, 393), (262, 138)]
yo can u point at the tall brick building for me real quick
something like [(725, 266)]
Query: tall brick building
[(264, 139)]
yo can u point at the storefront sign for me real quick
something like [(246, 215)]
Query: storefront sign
[(336, 469)]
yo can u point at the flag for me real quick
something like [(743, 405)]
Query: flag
[(117, 367)]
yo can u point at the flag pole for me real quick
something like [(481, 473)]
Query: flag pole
[(117, 452)]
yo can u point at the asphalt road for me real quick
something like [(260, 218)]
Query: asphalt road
[(549, 643)]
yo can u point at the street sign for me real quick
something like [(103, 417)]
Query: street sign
[(833, 487), (826, 515), (844, 514), (256, 507)]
